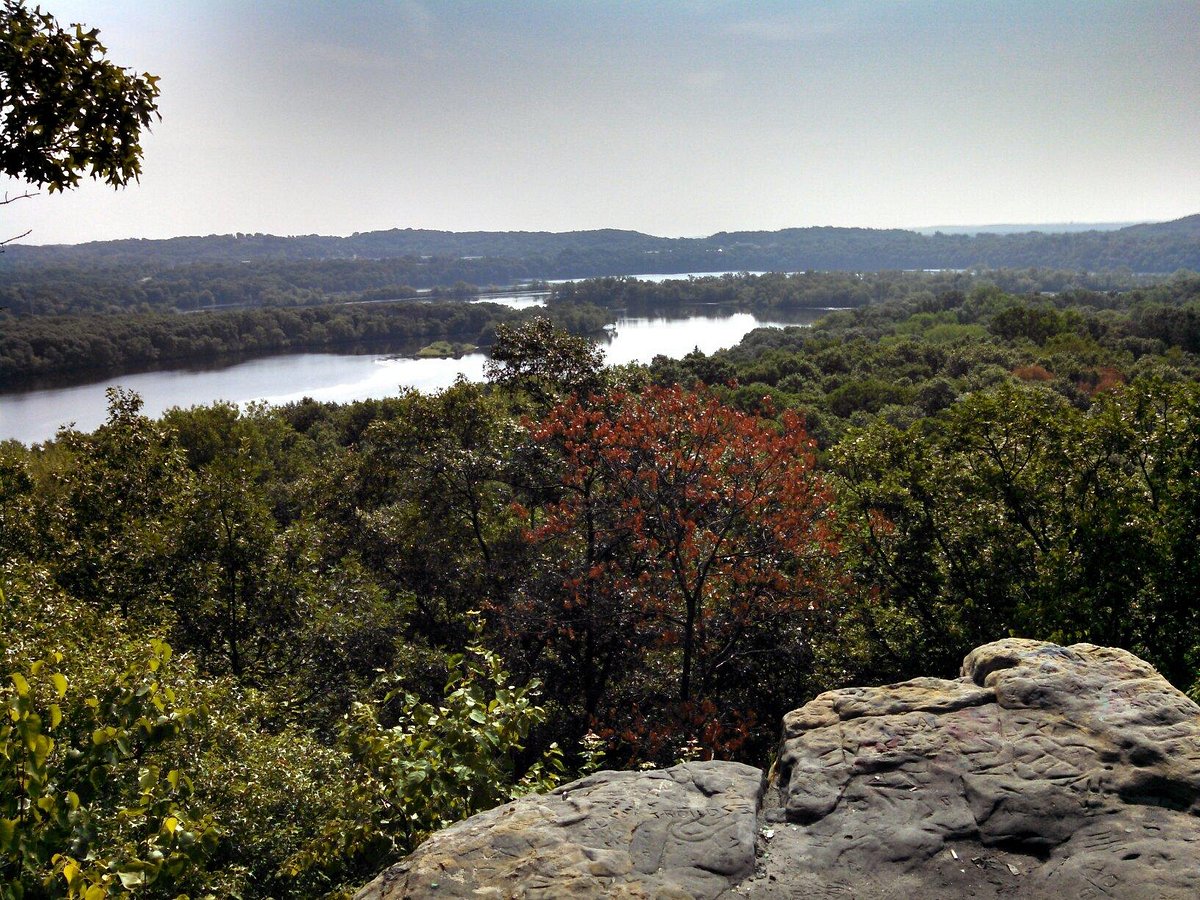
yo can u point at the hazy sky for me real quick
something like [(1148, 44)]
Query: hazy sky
[(674, 118)]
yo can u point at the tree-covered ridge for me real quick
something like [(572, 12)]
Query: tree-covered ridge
[(77, 288), (835, 290), (80, 288), (387, 614), (415, 255)]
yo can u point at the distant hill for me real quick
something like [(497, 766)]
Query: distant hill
[(1187, 227), (1043, 227), (394, 243), (488, 256)]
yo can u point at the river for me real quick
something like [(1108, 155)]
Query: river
[(36, 415)]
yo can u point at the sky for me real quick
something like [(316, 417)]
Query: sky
[(673, 118)]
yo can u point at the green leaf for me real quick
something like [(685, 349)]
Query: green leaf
[(132, 879), (8, 830)]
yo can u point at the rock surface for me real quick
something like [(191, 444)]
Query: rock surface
[(687, 831), (1043, 771)]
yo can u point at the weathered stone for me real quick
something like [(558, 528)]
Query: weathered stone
[(1043, 771), (688, 831)]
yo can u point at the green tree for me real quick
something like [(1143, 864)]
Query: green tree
[(544, 361), (95, 795), (1018, 514), (438, 764), (65, 109), (427, 502), (108, 513), (225, 594)]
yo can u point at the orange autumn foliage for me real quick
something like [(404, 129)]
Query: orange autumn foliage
[(687, 537), (1033, 372)]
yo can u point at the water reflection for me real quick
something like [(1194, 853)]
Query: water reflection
[(521, 300), (35, 415), (641, 338)]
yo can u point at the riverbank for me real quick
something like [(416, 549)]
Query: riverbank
[(107, 345), (35, 414)]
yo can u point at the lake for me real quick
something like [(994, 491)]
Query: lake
[(36, 415)]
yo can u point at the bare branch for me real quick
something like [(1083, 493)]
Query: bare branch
[(25, 196), (15, 238)]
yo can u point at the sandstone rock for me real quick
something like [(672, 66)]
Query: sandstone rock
[(687, 831), (1042, 771)]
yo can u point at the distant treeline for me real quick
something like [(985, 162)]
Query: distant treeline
[(81, 287), (815, 290), (912, 354), (1160, 247), (46, 346), (33, 347), (256, 270)]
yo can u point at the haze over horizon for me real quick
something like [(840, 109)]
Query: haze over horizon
[(674, 119)]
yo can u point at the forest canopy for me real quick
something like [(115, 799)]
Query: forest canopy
[(307, 636)]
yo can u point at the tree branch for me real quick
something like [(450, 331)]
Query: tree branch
[(25, 196), (16, 237), (7, 200)]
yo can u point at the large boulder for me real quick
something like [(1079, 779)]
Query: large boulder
[(1042, 771), (687, 831)]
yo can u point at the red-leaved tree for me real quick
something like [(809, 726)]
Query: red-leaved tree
[(683, 557)]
